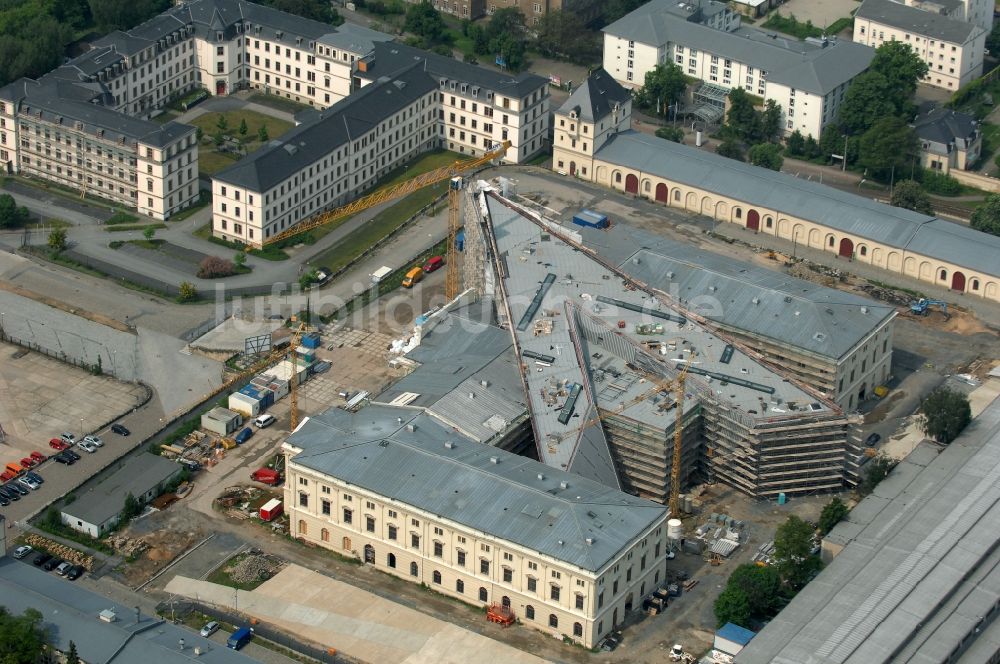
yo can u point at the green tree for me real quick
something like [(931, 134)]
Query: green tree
[(767, 155), (71, 656), (240, 259), (11, 215), (510, 48), (664, 85), (243, 127), (675, 134), (903, 69), (868, 99), (810, 149), (199, 133), (219, 138), (563, 33), (986, 217), (132, 508), (742, 119), (832, 514), (123, 14), (908, 194), (186, 292), (993, 41), (876, 471), (796, 144), (57, 240), (148, 233), (793, 543), (316, 10), (730, 148), (890, 144), (22, 638), (945, 413), (425, 22), (222, 123), (309, 278), (732, 606), (770, 121), (761, 586), (262, 134), (615, 9)]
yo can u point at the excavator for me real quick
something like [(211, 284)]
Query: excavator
[(922, 307)]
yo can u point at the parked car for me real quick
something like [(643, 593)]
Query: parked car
[(872, 440), (35, 477), (22, 551), (52, 563), (74, 572), (28, 462), (38, 456), (264, 421), (266, 476), (57, 444), (72, 455), (15, 486), (29, 483), (62, 458), (87, 447), (41, 558), (120, 429), (209, 629), (6, 475), (67, 438), (63, 568), (243, 436), (93, 440), (239, 638), (433, 263), (4, 500), (9, 494)]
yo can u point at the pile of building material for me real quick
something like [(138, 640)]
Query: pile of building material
[(722, 534), (130, 547), (765, 553), (253, 568), (59, 550)]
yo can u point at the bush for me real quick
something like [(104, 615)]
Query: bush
[(213, 267), (940, 184), (186, 292)]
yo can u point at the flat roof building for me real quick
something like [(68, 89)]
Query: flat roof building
[(915, 577), (419, 500)]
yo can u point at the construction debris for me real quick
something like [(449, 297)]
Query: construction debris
[(128, 546), (60, 550), (253, 568)]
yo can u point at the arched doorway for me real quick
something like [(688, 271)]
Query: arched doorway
[(862, 392), (391, 560), (572, 168), (346, 543), (753, 220), (505, 601), (631, 184), (846, 248), (220, 87), (958, 282), (661, 193), (628, 602), (369, 554)]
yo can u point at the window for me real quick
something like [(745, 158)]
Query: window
[(577, 629), (532, 584), (554, 593), (600, 600), (324, 535), (460, 586), (413, 569), (438, 531), (393, 515), (414, 523), (508, 575), (578, 603), (348, 515), (391, 560), (436, 577), (483, 595), (484, 547), (325, 507), (303, 481), (302, 527), (508, 556), (415, 540), (556, 575), (392, 532), (369, 504), (370, 524), (303, 500), (438, 549), (461, 558), (553, 620), (484, 566), (532, 565), (943, 275)]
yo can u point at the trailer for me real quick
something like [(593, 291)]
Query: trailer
[(591, 219), (380, 274), (271, 510)]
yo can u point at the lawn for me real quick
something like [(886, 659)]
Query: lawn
[(278, 103), (211, 160)]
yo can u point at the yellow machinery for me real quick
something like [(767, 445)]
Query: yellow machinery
[(675, 469), (454, 223)]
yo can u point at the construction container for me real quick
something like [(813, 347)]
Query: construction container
[(284, 371), (675, 529), (279, 388), (311, 340), (247, 406), (271, 510), (590, 219), (222, 421), (306, 355), (264, 396)]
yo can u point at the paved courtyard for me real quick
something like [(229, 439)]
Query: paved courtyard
[(821, 13), (355, 621)]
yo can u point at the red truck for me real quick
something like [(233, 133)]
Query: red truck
[(266, 476)]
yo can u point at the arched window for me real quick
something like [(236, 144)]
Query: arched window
[(302, 527), (391, 560), (768, 222), (738, 212), (553, 620), (974, 285), (577, 629), (863, 250), (645, 186), (413, 569), (460, 586), (529, 612), (324, 535), (618, 177), (436, 576), (943, 275), (830, 243), (483, 595), (677, 195)]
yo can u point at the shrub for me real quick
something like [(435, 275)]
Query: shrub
[(213, 267), (940, 184), (186, 292)]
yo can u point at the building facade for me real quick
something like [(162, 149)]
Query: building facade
[(952, 48), (567, 556), (977, 12), (948, 140), (807, 79), (596, 110)]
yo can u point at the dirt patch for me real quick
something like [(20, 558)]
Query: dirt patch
[(880, 411), (164, 546)]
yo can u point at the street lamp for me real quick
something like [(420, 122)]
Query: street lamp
[(795, 240)]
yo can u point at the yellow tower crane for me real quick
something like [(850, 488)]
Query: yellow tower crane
[(675, 468), (293, 392)]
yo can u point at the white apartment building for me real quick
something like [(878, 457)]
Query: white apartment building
[(977, 12), (807, 79), (399, 491), (344, 150), (952, 49)]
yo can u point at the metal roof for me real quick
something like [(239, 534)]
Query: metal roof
[(70, 613), (918, 21), (596, 97), (920, 570), (354, 38), (503, 495), (105, 500), (833, 208), (945, 125), (799, 313)]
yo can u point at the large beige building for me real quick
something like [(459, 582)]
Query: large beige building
[(952, 48), (417, 500), (409, 102), (807, 79)]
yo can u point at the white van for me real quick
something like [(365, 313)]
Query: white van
[(264, 420)]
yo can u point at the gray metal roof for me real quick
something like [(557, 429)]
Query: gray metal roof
[(833, 208), (791, 311), (920, 570), (596, 97), (584, 329), (70, 613), (918, 21), (812, 67), (387, 58), (354, 38), (944, 125), (345, 121), (137, 475), (514, 499)]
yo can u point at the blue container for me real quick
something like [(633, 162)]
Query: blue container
[(591, 219), (311, 340), (781, 498), (460, 240)]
